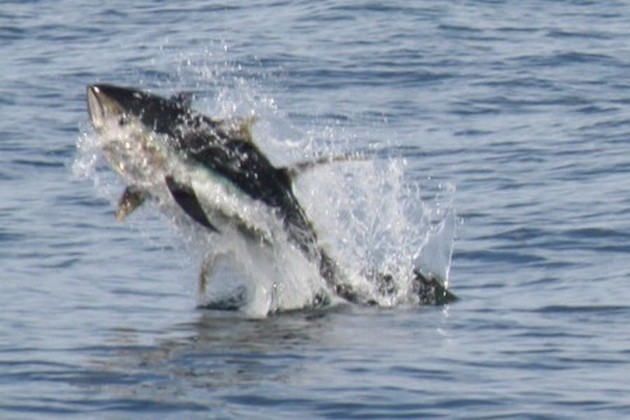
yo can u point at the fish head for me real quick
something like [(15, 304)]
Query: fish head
[(109, 104), (134, 129)]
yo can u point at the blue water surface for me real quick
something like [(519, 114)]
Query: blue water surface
[(519, 112)]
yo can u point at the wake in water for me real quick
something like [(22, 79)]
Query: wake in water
[(367, 218)]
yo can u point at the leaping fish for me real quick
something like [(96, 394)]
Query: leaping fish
[(165, 150)]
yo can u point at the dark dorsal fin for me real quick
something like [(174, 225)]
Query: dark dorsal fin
[(183, 99), (187, 199), (240, 128)]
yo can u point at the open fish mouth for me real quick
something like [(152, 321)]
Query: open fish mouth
[(102, 108)]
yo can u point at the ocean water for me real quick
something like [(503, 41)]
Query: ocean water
[(502, 128)]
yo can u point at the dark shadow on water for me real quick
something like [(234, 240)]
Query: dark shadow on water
[(222, 349), (196, 366), (233, 330), (217, 361)]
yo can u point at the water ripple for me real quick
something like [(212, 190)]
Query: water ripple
[(512, 113)]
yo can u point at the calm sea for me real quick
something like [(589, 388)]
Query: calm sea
[(512, 117)]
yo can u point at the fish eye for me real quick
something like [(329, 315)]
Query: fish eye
[(123, 120)]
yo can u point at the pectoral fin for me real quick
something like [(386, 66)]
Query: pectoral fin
[(131, 199), (185, 196), (183, 99), (239, 127)]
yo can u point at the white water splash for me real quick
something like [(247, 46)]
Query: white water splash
[(372, 222), (366, 215)]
